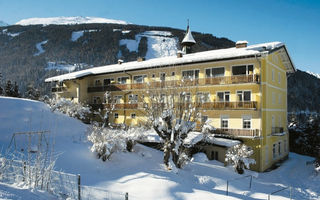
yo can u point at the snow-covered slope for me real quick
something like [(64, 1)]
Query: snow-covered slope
[(314, 74), (68, 20), (142, 173), (160, 44)]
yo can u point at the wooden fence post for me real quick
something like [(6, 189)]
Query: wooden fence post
[(79, 187), (227, 187)]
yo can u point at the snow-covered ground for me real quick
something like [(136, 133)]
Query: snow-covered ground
[(160, 44), (68, 20), (5, 31), (40, 48), (63, 66), (142, 173)]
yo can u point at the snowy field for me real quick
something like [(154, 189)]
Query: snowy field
[(142, 173)]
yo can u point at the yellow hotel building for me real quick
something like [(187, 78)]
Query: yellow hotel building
[(243, 91)]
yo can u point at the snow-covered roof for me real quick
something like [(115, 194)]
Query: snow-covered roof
[(212, 55), (242, 42), (195, 137), (188, 38)]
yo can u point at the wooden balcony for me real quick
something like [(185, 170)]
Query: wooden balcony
[(229, 105), (238, 132), (119, 106), (255, 78), (58, 89)]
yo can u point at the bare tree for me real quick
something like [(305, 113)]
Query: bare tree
[(173, 115)]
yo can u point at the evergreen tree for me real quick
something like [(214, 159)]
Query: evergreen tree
[(8, 89)]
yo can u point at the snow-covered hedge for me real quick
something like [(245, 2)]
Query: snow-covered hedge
[(106, 141), (70, 108), (239, 157)]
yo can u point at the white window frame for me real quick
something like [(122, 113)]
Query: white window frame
[(143, 76), (274, 150), (247, 118), (247, 71), (133, 116), (272, 74), (224, 118), (120, 77), (279, 77), (117, 98), (97, 82), (224, 95), (194, 74), (133, 100), (210, 68), (116, 115), (242, 94)]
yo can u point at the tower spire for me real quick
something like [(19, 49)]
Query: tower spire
[(188, 40)]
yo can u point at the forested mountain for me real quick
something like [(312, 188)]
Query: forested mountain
[(31, 53)]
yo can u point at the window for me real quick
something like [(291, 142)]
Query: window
[(61, 84), (279, 148), (242, 70), (273, 98), (273, 121), (162, 76), (116, 115), (96, 100), (285, 146), (279, 99), (107, 81), (122, 80), (117, 99), (133, 98), (214, 155), (190, 74), (223, 96), (185, 97), (215, 72), (274, 151), (162, 98), (133, 115), (97, 83), (244, 95), (272, 74), (173, 73), (203, 97), (139, 79), (279, 77), (246, 122), (153, 75), (224, 122), (267, 155)]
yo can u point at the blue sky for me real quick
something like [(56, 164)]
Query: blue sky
[(294, 22)]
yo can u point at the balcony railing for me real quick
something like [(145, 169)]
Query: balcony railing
[(277, 130), (229, 105), (237, 132), (204, 106), (58, 89), (178, 83), (254, 78)]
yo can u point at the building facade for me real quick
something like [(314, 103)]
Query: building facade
[(241, 90)]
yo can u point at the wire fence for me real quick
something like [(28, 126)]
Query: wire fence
[(61, 184)]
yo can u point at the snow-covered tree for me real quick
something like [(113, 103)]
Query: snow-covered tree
[(173, 115), (32, 93), (239, 157), (70, 108), (106, 141)]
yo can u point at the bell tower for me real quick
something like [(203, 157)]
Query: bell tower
[(187, 41)]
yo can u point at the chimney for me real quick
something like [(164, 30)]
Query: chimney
[(179, 54), (140, 59), (241, 44), (120, 61)]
